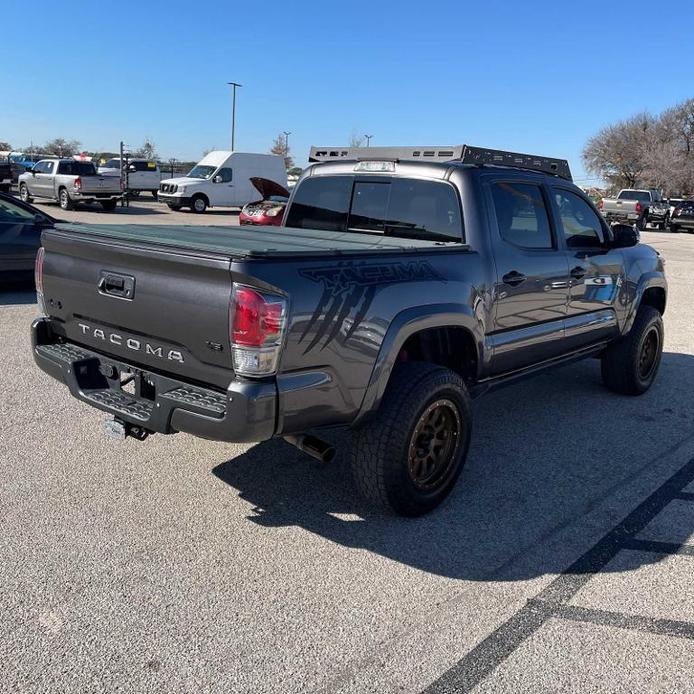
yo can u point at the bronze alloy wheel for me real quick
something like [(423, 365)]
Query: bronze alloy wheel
[(434, 445), (648, 358)]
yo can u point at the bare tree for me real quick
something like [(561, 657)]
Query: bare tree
[(280, 147), (645, 150), (356, 140), (61, 147), (5, 146), (147, 150), (617, 152)]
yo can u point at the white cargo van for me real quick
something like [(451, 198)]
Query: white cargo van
[(143, 174), (222, 179)]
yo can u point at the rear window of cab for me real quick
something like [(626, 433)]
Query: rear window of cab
[(382, 204)]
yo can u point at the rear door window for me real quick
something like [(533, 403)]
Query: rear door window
[(521, 215)]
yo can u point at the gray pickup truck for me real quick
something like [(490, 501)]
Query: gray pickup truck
[(404, 283), (69, 181), (633, 206)]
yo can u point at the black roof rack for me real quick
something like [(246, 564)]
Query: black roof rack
[(477, 156)]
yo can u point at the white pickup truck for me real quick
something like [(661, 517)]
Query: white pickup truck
[(142, 174), (631, 206), (69, 181)]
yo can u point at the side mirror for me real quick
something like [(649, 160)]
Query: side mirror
[(625, 236), (218, 179)]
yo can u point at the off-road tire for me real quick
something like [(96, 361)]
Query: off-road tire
[(381, 449), (24, 194), (623, 367), (64, 200)]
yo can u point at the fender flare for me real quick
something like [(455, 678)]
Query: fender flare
[(649, 280), (405, 324)]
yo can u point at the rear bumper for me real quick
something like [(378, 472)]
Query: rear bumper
[(620, 216), (245, 412), (91, 197)]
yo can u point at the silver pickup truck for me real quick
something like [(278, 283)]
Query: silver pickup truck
[(631, 206), (69, 181)]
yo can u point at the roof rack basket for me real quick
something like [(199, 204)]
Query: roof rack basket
[(477, 156)]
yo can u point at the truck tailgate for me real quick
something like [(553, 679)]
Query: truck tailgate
[(100, 184), (163, 309)]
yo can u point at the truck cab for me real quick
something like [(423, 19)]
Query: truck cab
[(222, 179)]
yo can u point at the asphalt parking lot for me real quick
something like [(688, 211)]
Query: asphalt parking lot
[(562, 562)]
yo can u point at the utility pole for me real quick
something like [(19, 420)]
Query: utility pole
[(233, 86), (368, 140), (286, 142), (124, 201)]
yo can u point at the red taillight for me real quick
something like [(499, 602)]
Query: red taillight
[(256, 328), (638, 207), (257, 321), (38, 270), (38, 279), (78, 183), (601, 204)]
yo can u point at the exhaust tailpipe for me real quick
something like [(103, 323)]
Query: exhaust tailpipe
[(313, 446)]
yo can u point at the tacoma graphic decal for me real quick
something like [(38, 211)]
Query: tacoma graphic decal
[(349, 286)]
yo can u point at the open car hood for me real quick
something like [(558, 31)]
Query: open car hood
[(267, 188)]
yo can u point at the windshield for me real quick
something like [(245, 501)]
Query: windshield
[(201, 171), (405, 207), (640, 195)]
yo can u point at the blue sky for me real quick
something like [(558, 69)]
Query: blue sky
[(538, 77)]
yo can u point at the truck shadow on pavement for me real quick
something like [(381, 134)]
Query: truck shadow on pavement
[(545, 453)]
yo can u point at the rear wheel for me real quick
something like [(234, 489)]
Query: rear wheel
[(630, 365), (198, 204), (24, 193), (154, 194), (642, 222), (674, 229), (409, 457), (64, 200)]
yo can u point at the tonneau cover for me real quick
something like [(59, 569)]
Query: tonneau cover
[(238, 241)]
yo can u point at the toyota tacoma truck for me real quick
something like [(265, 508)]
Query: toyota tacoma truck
[(404, 283), (69, 181), (632, 206)]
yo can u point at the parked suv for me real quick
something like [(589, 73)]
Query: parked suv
[(409, 281)]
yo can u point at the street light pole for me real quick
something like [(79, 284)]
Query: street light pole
[(368, 140), (286, 142), (233, 86)]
